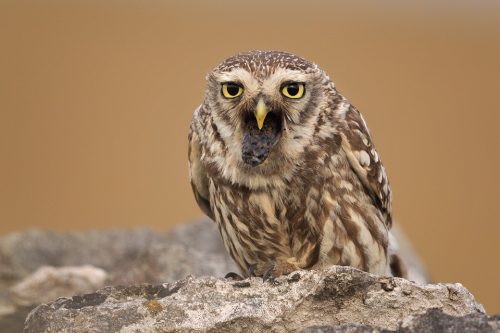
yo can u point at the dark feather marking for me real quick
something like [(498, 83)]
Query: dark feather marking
[(353, 232), (355, 133), (217, 136)]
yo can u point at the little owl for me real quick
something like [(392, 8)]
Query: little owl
[(286, 167)]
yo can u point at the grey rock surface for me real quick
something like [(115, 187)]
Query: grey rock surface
[(128, 256), (432, 321), (40, 266), (435, 320), (334, 297), (48, 283)]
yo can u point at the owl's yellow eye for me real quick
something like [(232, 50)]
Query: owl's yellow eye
[(293, 90), (231, 90)]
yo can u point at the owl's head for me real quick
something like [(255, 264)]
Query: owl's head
[(265, 106)]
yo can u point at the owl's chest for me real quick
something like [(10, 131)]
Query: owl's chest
[(255, 225), (251, 208), (306, 200), (273, 216)]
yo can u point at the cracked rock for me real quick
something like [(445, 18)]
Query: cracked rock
[(330, 298)]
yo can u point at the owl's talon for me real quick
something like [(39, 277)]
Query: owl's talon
[(233, 276), (268, 274), (251, 270)]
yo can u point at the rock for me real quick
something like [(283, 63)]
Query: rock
[(48, 283), (82, 262), (40, 266), (333, 297), (128, 256), (435, 320), (45, 284), (432, 321), (349, 328)]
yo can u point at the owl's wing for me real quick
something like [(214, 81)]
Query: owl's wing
[(364, 159), (197, 175)]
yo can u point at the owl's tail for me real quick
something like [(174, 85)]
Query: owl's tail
[(403, 261)]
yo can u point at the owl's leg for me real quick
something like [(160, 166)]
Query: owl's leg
[(306, 256)]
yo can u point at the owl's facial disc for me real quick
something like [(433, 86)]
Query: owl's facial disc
[(261, 132)]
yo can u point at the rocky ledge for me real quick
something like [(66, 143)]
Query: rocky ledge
[(148, 291), (340, 299), (39, 266)]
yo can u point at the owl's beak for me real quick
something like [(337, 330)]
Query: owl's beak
[(261, 112)]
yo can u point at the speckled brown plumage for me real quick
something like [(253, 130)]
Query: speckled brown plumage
[(305, 191)]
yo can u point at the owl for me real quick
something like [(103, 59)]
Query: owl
[(286, 168)]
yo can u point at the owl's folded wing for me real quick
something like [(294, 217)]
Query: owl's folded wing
[(364, 159), (197, 175)]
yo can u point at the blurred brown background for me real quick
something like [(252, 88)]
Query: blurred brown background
[(96, 98)]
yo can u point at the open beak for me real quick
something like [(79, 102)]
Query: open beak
[(261, 112)]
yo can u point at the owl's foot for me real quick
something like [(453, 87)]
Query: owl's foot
[(279, 268), (233, 276), (251, 270), (237, 277), (268, 274)]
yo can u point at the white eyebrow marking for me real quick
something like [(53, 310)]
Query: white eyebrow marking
[(271, 85), (239, 75)]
